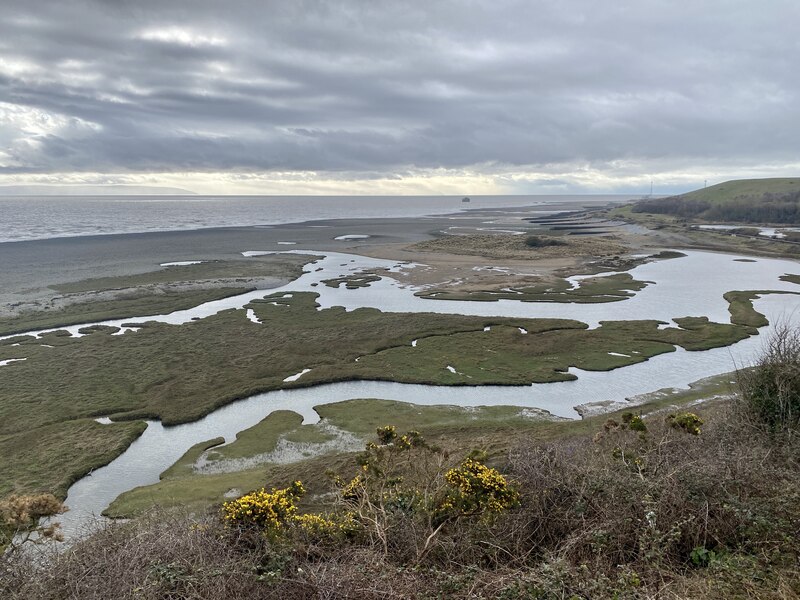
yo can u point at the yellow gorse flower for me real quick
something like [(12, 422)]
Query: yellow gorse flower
[(266, 509), (477, 489), (276, 510)]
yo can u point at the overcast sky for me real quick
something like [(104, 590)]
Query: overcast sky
[(369, 96)]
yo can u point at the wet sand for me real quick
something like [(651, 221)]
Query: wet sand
[(27, 268)]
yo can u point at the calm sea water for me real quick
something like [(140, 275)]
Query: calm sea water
[(41, 217)]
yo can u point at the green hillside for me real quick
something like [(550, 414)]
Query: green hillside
[(745, 188), (775, 201)]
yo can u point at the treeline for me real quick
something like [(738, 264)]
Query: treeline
[(767, 208)]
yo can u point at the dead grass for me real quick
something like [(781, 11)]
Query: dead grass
[(627, 514)]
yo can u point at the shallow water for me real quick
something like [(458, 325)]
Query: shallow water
[(773, 232), (690, 286)]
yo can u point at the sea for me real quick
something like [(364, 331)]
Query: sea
[(42, 217)]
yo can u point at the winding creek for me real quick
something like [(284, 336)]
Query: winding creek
[(689, 286)]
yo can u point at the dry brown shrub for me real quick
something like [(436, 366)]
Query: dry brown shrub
[(616, 516), (769, 390)]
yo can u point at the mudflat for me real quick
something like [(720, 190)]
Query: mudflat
[(28, 268)]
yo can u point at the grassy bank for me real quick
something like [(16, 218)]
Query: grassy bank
[(140, 302), (52, 457), (493, 429), (162, 291), (775, 201)]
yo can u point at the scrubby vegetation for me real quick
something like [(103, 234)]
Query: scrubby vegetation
[(512, 246), (539, 241), (770, 389), (20, 520), (671, 505)]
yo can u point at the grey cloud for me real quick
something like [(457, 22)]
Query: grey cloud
[(381, 86)]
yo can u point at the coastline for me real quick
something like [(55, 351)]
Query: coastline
[(29, 267)]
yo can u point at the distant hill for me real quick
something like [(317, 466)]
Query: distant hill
[(91, 190), (775, 201)]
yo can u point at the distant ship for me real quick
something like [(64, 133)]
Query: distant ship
[(465, 199)]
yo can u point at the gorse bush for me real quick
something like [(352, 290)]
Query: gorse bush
[(407, 497), (275, 513), (268, 510), (403, 484), (20, 520), (477, 490), (769, 390)]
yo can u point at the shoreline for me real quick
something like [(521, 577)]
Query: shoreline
[(531, 203), (29, 267)]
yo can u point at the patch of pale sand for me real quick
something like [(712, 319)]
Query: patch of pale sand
[(3, 363), (296, 376), (440, 268), (591, 409), (539, 414), (285, 452)]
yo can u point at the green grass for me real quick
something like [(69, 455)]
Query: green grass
[(352, 282), (283, 266), (260, 438), (610, 288), (745, 201), (791, 278), (506, 356), (184, 466), (143, 301), (729, 190), (138, 304), (364, 416), (52, 457), (740, 305)]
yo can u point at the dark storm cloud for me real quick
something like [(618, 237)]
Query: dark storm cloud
[(355, 86)]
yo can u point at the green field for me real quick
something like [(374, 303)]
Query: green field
[(150, 293), (752, 188)]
